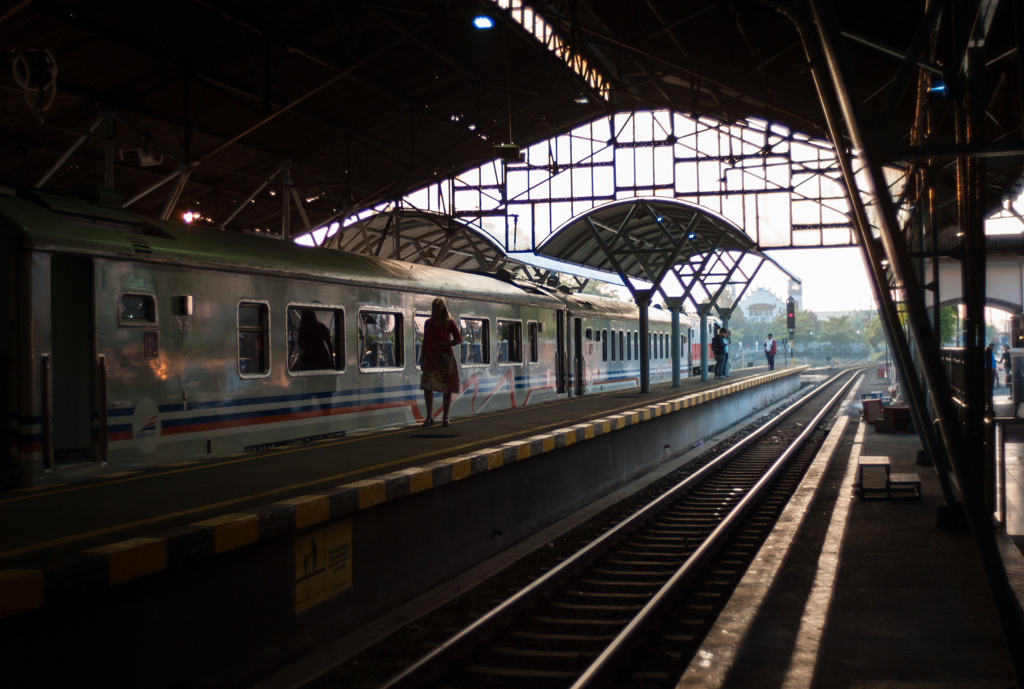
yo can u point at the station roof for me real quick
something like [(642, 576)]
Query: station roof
[(419, 237), (367, 101), (647, 240)]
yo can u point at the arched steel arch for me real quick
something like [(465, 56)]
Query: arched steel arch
[(657, 243), (782, 188)]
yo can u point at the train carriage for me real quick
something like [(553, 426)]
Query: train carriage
[(138, 342)]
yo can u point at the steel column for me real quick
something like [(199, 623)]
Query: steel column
[(704, 343), (872, 254), (172, 200), (108, 153), (643, 300), (286, 198), (675, 305), (980, 521)]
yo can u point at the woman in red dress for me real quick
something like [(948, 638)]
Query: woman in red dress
[(440, 372)]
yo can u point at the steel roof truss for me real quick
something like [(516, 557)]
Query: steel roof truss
[(610, 256)]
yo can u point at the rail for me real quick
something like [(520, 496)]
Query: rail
[(434, 662), (650, 611)]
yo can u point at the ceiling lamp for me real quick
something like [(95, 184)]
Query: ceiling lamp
[(482, 21)]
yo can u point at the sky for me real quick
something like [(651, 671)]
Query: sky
[(833, 279)]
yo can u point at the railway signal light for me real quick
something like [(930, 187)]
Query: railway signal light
[(791, 315)]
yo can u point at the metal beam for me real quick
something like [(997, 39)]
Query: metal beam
[(176, 194), (72, 149), (871, 43), (248, 200), (978, 518), (153, 187)]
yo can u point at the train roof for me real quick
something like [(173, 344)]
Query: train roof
[(58, 222), (53, 222)]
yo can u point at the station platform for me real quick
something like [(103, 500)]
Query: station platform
[(861, 593), (63, 544)]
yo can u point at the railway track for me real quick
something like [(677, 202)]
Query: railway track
[(632, 606)]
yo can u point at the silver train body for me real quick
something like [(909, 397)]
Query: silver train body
[(137, 342)]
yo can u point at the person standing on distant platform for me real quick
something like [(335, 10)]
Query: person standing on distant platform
[(1007, 365), (440, 372), (990, 354), (717, 350), (726, 340), (769, 352)]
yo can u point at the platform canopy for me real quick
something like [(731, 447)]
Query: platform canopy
[(417, 237), (675, 248)]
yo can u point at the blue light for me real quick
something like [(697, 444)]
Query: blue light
[(482, 21), (938, 88), (692, 235), (659, 218)]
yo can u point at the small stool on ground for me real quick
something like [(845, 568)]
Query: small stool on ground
[(881, 483)]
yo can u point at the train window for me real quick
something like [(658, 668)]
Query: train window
[(476, 341), (419, 321), (316, 339), (589, 335), (629, 346), (661, 345), (137, 309), (622, 345), (636, 345), (253, 340), (613, 346), (604, 345), (533, 333), (510, 342), (380, 340)]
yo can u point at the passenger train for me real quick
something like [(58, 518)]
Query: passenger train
[(137, 342)]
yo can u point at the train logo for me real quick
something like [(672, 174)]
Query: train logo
[(146, 426)]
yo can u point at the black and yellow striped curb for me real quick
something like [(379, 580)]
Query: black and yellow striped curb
[(22, 590)]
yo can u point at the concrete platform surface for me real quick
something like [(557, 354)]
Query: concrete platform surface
[(44, 524), (869, 594)]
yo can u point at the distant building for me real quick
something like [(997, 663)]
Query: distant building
[(762, 305)]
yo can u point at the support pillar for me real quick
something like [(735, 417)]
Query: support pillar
[(643, 300), (108, 153), (946, 423), (675, 305), (704, 341), (286, 201), (172, 200)]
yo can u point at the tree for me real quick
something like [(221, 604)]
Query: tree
[(839, 331), (606, 289), (874, 335), (947, 325)]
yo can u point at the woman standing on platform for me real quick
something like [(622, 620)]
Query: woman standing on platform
[(440, 372)]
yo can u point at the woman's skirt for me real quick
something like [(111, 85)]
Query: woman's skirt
[(440, 373)]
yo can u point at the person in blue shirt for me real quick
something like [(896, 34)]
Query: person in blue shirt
[(991, 358), (726, 340)]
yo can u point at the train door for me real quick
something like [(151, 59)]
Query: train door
[(560, 368), (71, 355), (578, 362)]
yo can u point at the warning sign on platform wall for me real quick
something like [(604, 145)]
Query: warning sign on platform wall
[(323, 565)]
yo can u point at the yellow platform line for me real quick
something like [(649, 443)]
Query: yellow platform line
[(460, 469)]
